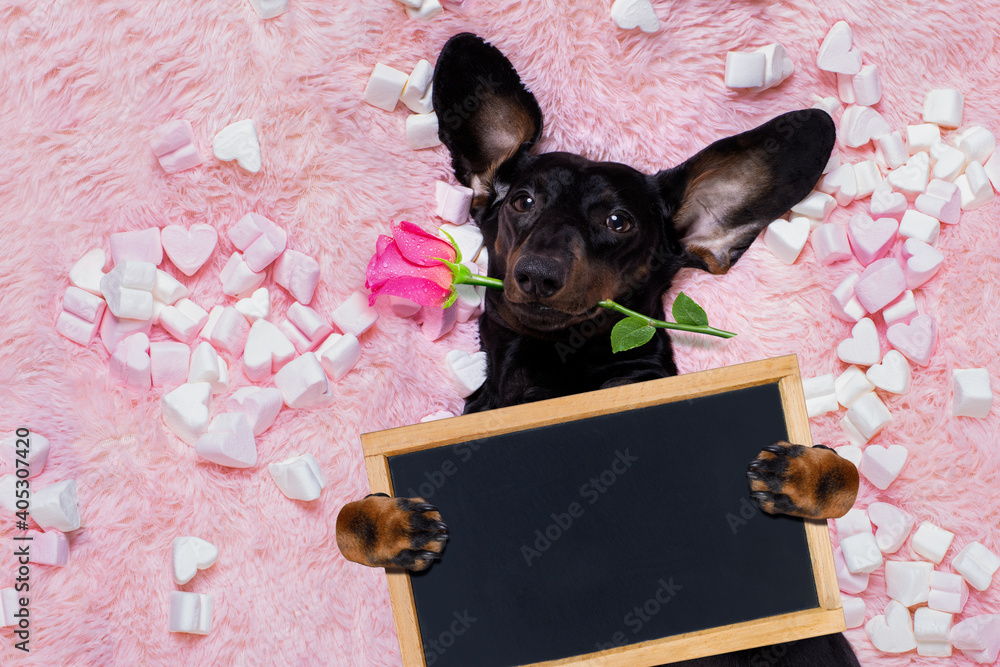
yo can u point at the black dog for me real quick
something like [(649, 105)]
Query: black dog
[(564, 233)]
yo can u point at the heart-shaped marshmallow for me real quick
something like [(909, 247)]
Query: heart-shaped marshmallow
[(186, 410), (786, 238), (239, 142), (881, 465), (887, 202), (130, 362), (870, 239), (467, 371), (837, 53), (299, 477), (892, 632), (840, 183), (862, 347), (892, 375), (893, 526), (267, 349), (255, 307), (189, 249), (915, 340), (629, 14), (859, 125), (190, 554), (88, 271), (261, 405), (229, 441), (922, 262), (912, 178), (261, 240), (844, 303)]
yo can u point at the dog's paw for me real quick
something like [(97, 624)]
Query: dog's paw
[(809, 482), (380, 531)]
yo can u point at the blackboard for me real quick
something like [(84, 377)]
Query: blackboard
[(614, 523)]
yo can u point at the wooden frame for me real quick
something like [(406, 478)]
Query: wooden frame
[(783, 371)]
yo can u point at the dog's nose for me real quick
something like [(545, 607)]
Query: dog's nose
[(540, 277)]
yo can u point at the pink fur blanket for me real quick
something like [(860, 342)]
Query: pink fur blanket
[(84, 83)]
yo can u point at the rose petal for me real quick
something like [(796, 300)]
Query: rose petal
[(382, 243), (392, 264), (420, 247), (424, 292)]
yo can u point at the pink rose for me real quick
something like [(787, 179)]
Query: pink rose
[(407, 265)]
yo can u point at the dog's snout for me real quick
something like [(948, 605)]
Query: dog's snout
[(540, 277)]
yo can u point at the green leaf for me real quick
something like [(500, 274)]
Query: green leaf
[(629, 333), (686, 311)]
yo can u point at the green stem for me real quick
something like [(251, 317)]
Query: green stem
[(660, 324), (485, 281)]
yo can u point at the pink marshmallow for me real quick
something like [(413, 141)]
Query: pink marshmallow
[(170, 136), (830, 243), (115, 329), (436, 322), (943, 200), (354, 316), (130, 363), (848, 581), (916, 340), (261, 240), (230, 332), (8, 607), (168, 363), (298, 273), (453, 202), (881, 283), (402, 307), (81, 315), (189, 249), (871, 239), (305, 327), (978, 637), (142, 245), (181, 159), (922, 262), (49, 548)]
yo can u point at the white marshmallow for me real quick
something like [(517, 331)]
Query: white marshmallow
[(908, 582), (851, 385), (435, 416), (130, 364), (310, 326), (88, 271), (428, 9), (260, 405), (830, 243), (893, 150), (229, 441), (949, 592), (114, 330), (385, 85), (629, 14), (183, 320), (255, 307), (867, 176), (944, 107), (852, 433), (436, 322), (169, 363), (893, 524), (411, 3), (992, 169), (859, 125), (977, 637), (892, 375), (943, 200), (453, 202), (867, 86), (354, 316), (977, 143), (911, 179), (893, 631), (303, 384), (299, 477), (886, 202), (931, 626), (972, 393), (821, 395), (949, 162), (35, 450), (920, 226), (922, 137), (862, 347), (81, 315), (840, 183), (977, 565), (127, 289), (931, 542), (417, 85), (268, 9), (190, 613), (56, 506), (745, 70), (338, 355), (239, 142), (206, 366), (467, 371), (844, 302), (188, 554), (861, 553), (902, 310), (817, 205), (186, 410), (778, 66), (213, 317), (422, 130), (259, 239), (267, 349), (852, 453), (470, 299), (974, 186), (837, 53), (922, 262), (238, 279), (468, 238), (298, 273), (845, 88), (854, 522), (230, 332), (848, 581), (854, 611), (881, 465), (831, 105), (168, 289)]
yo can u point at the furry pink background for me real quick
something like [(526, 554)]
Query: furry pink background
[(84, 83)]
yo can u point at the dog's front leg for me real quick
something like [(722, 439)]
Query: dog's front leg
[(809, 482), (380, 531)]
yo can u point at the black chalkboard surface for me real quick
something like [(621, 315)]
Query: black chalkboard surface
[(593, 534)]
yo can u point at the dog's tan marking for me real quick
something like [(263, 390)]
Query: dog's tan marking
[(374, 530), (818, 482)]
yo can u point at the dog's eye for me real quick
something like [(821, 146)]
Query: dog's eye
[(522, 202), (619, 222)]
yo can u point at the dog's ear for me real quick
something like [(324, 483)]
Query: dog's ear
[(485, 114), (721, 199)]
